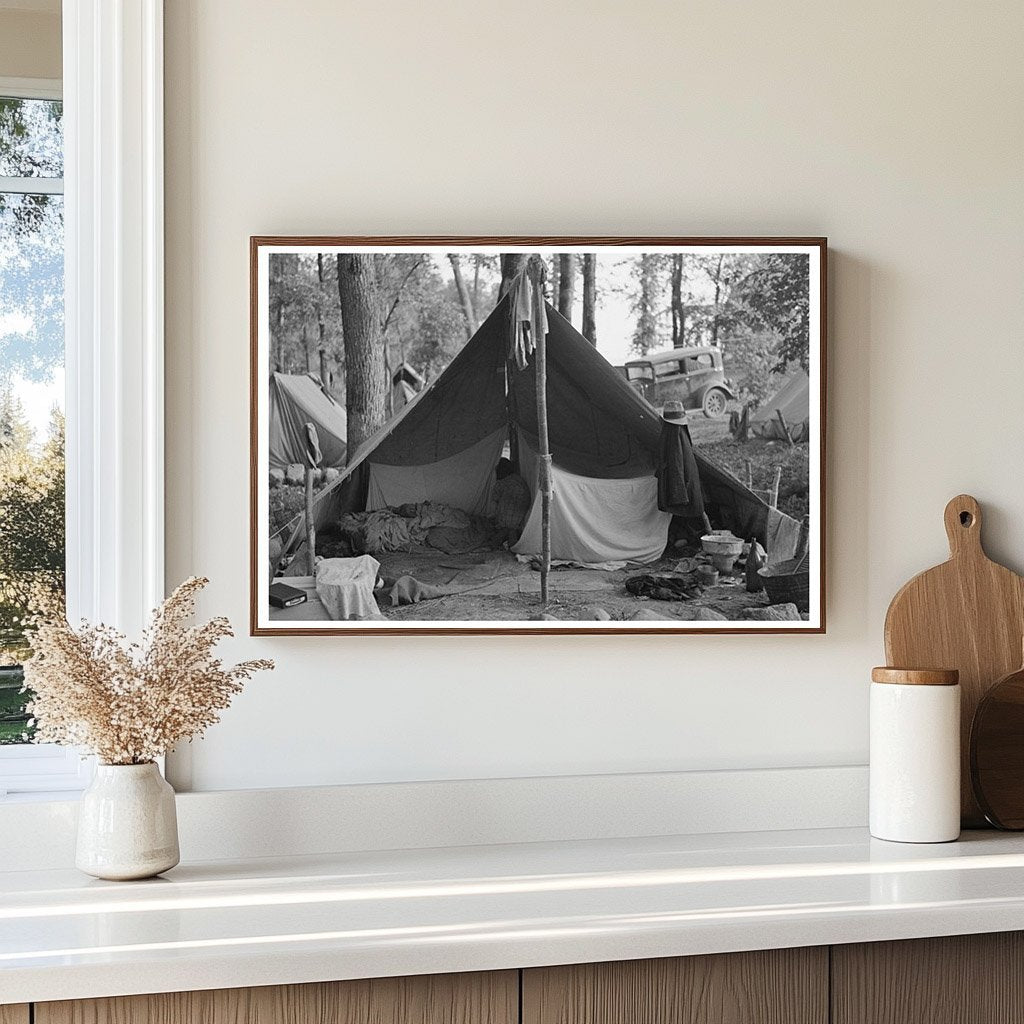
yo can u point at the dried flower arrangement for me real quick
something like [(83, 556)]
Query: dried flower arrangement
[(130, 703)]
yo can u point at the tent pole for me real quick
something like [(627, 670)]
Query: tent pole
[(541, 370)]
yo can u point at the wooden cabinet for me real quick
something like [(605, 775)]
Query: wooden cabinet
[(962, 979), (971, 979), (779, 986), (491, 998)]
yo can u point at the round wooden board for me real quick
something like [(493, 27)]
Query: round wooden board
[(997, 753)]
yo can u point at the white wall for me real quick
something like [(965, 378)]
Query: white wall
[(895, 129), (30, 41)]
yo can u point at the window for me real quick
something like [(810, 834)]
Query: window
[(702, 362), (32, 531), (112, 121), (639, 371), (31, 384), (668, 369)]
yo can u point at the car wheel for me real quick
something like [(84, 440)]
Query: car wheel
[(714, 403)]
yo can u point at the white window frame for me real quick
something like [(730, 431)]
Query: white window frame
[(37, 767), (113, 222)]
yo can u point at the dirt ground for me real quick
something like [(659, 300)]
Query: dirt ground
[(496, 586)]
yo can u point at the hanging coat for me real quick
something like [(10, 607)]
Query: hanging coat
[(679, 490)]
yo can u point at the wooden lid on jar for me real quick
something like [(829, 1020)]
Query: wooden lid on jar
[(916, 676)]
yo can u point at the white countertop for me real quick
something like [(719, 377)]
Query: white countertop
[(297, 919)]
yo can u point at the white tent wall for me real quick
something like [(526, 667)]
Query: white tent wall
[(464, 481), (594, 521)]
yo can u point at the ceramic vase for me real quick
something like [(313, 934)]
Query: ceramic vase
[(127, 825)]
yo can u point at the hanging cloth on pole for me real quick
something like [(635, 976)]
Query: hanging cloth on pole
[(527, 304)]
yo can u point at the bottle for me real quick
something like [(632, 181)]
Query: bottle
[(915, 755)]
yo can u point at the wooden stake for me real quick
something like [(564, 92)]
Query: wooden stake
[(313, 458), (775, 486), (310, 524), (785, 428)]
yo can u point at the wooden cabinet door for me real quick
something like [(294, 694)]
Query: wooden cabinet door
[(778, 986), (484, 998), (961, 979), (14, 1014)]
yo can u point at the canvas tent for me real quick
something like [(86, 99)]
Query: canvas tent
[(443, 447), (405, 384), (793, 400), (295, 400)]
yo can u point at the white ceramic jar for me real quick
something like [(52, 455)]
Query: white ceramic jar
[(127, 823), (915, 755)]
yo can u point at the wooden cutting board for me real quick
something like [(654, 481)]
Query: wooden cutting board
[(967, 614)]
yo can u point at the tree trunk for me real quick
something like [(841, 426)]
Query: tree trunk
[(476, 281), (465, 298), (511, 264), (366, 384), (718, 300), (590, 297), (553, 280), (566, 283), (678, 316), (321, 327), (645, 334)]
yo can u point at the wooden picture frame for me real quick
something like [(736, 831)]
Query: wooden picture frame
[(736, 249)]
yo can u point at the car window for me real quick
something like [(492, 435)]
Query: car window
[(704, 361), (642, 371), (669, 369)]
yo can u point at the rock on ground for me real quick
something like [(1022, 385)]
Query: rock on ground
[(644, 614), (708, 615), (775, 613)]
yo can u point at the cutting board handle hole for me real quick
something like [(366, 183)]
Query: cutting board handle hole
[(966, 519)]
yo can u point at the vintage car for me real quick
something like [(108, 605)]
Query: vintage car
[(693, 376)]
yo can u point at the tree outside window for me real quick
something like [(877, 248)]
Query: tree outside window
[(31, 387)]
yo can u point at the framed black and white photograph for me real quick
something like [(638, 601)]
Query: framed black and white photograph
[(537, 435)]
